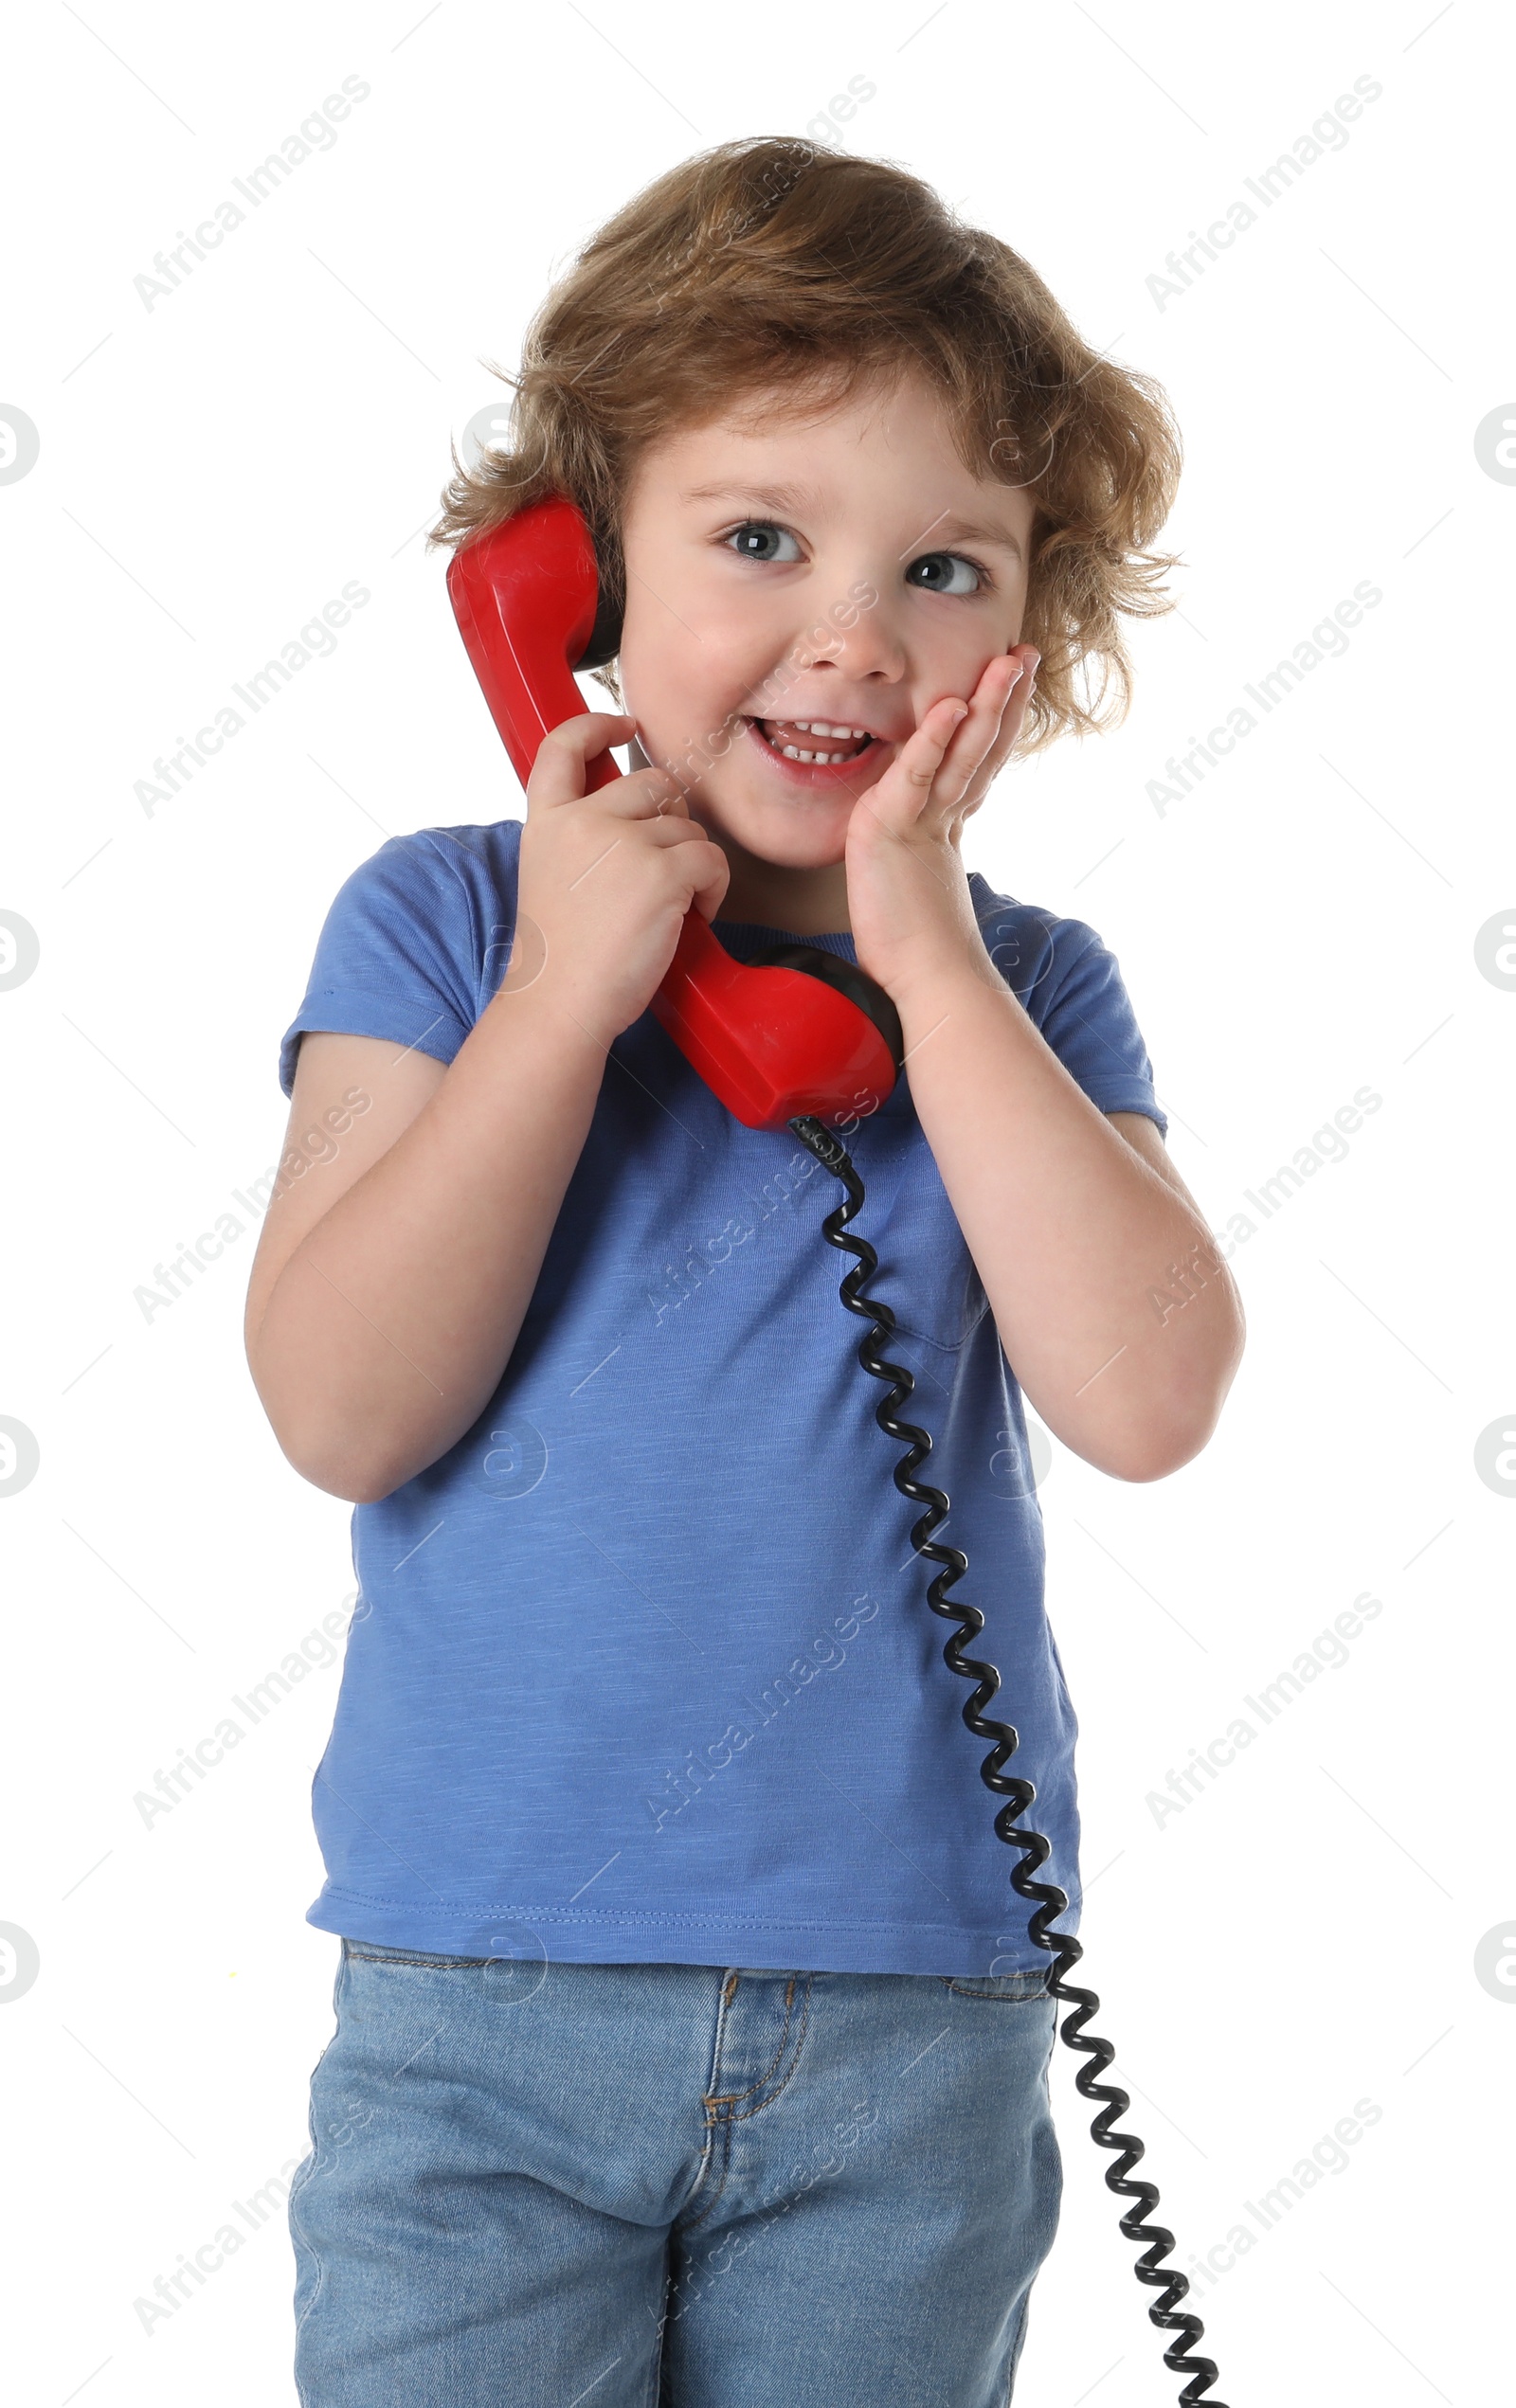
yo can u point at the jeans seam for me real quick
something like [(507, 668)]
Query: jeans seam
[(800, 2044), (724, 1999), (1010, 2364), (712, 2127), (726, 2124), (730, 2098), (296, 2186)]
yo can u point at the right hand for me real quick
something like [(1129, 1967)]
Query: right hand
[(607, 877)]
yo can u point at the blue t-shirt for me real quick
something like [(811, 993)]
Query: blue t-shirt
[(642, 1668)]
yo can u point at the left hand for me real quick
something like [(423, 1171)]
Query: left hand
[(909, 903)]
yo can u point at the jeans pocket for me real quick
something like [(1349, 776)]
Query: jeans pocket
[(1012, 1987), (380, 1949), (507, 1980)]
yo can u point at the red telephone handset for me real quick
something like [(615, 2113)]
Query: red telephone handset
[(797, 1031)]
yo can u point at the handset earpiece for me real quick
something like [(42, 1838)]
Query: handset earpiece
[(526, 600)]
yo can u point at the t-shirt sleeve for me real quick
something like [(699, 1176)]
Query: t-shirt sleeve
[(1071, 985), (396, 955), (1087, 1018)]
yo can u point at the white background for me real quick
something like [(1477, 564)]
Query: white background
[(1302, 925)]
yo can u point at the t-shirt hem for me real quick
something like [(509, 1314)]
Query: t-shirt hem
[(563, 1936)]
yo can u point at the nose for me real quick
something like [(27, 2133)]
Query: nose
[(858, 636)]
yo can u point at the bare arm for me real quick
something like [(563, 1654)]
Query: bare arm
[(391, 1279), (1121, 1319), (378, 1329)]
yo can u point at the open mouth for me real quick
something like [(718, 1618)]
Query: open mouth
[(817, 742)]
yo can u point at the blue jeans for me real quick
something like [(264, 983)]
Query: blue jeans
[(701, 2186)]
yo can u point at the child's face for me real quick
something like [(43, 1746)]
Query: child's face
[(858, 598)]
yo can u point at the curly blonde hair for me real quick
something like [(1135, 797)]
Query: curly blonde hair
[(776, 264)]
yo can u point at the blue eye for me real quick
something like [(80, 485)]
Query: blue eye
[(940, 566), (934, 573), (745, 539)]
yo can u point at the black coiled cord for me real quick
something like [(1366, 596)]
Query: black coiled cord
[(1047, 1898)]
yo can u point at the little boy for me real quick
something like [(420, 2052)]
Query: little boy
[(691, 2042)]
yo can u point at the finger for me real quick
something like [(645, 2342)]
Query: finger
[(559, 772), (566, 751), (1020, 693), (989, 706), (1013, 719), (669, 828), (987, 736), (646, 794), (902, 794), (712, 874), (943, 726), (1017, 705), (934, 740)]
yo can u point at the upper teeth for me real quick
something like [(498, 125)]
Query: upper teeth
[(806, 726)]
